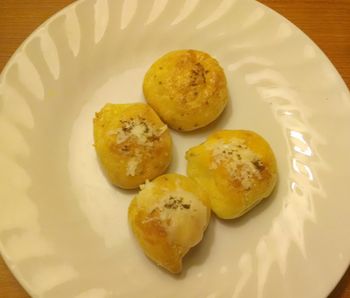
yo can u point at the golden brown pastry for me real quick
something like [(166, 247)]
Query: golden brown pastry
[(187, 88), (132, 143), (168, 217), (236, 167)]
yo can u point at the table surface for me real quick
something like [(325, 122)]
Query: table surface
[(326, 22)]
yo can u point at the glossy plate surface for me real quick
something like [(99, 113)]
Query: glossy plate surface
[(63, 228)]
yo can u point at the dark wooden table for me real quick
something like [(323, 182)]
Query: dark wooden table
[(327, 22)]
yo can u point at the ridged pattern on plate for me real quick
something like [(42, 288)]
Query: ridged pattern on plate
[(63, 228)]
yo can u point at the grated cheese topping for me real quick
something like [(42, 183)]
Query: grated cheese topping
[(139, 129), (183, 216), (239, 160), (146, 185), (132, 165)]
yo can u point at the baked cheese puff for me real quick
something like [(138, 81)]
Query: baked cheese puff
[(236, 167), (132, 143), (187, 89), (168, 217)]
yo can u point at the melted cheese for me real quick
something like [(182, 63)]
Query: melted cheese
[(238, 159)]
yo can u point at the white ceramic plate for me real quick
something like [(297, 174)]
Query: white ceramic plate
[(63, 227)]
